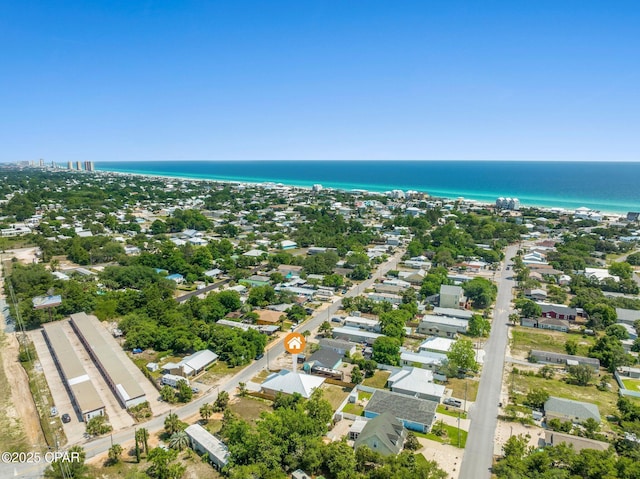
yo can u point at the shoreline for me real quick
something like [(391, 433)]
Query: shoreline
[(293, 184)]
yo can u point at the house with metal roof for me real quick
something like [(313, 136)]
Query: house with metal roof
[(558, 311), (383, 434), (416, 382), (547, 357), (193, 364), (356, 335), (416, 414), (288, 382), (437, 345), (203, 442), (628, 316), (423, 359), (338, 345), (453, 312), (552, 438), (570, 410)]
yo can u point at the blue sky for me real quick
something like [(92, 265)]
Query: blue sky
[(315, 80)]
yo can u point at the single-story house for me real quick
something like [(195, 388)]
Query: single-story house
[(366, 324), (535, 294), (453, 312), (203, 442), (437, 345), (267, 317), (546, 323), (288, 382), (558, 311), (355, 335), (338, 346), (547, 357), (416, 382), (570, 410), (442, 326), (326, 358), (288, 244), (416, 414), (552, 438), (193, 364), (177, 277), (423, 359), (213, 273), (628, 316), (384, 434), (389, 298)]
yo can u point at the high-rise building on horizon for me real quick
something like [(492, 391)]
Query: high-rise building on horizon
[(88, 166), (78, 165), (69, 165), (41, 163)]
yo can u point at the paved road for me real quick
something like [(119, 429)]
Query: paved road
[(478, 454), (101, 445)]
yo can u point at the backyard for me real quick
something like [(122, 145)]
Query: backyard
[(378, 380), (631, 384), (525, 339), (460, 386)]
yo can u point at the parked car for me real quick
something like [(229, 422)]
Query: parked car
[(259, 356), (452, 402), (137, 350), (54, 411), (66, 418), (195, 390)]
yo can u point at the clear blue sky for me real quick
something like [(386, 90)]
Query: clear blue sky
[(308, 79)]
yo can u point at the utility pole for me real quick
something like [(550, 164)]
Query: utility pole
[(458, 429), (466, 385)]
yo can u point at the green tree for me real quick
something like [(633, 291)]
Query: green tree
[(179, 440), (114, 453), (462, 356), (185, 394), (69, 467), (325, 328), (340, 460), (621, 269), (221, 401), (386, 351), (581, 374), (481, 292), (610, 352), (168, 394), (412, 443), (356, 375), (571, 346), (98, 425), (172, 424), (536, 398), (479, 326), (617, 331), (206, 411), (529, 309), (163, 465), (142, 438), (516, 447)]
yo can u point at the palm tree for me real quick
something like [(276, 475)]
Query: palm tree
[(172, 424), (206, 410), (179, 440), (242, 389)]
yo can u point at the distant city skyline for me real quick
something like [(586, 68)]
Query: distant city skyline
[(290, 80)]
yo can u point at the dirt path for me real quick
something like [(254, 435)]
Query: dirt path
[(22, 408)]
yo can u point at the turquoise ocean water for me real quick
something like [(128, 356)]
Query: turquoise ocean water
[(604, 186)]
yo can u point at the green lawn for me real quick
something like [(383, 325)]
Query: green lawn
[(335, 394), (606, 400), (217, 371), (526, 339), (378, 380), (450, 411), (354, 409), (459, 386), (631, 384), (449, 437)]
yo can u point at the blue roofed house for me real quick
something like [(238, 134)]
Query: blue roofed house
[(176, 277)]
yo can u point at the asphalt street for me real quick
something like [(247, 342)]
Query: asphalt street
[(478, 454)]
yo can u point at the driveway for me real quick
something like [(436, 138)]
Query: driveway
[(478, 455)]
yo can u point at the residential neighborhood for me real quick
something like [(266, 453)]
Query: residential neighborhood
[(203, 313)]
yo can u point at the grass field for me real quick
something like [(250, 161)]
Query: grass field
[(526, 339), (606, 400), (458, 387), (631, 384), (378, 380), (249, 408), (354, 409)]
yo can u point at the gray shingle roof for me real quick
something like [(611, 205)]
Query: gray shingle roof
[(421, 411), (387, 428), (571, 408)]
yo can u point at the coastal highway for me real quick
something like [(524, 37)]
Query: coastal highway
[(97, 446), (478, 454)]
